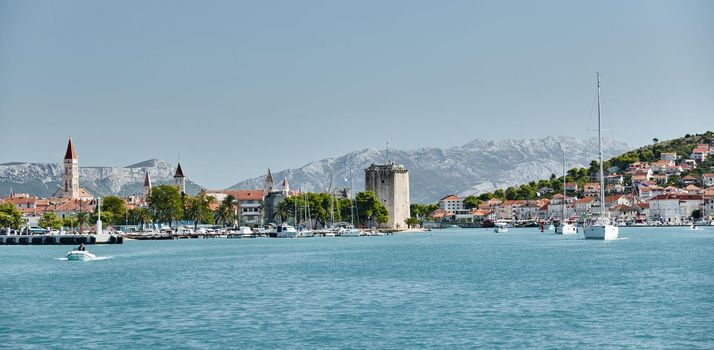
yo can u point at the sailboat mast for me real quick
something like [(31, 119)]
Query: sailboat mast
[(561, 147), (599, 144), (352, 202)]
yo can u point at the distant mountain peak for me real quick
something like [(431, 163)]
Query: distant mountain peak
[(477, 166)]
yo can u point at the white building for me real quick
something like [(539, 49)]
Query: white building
[(674, 209), (451, 203), (708, 179)]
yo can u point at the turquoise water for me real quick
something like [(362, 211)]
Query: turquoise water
[(445, 289)]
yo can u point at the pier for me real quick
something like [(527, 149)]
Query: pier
[(70, 239)]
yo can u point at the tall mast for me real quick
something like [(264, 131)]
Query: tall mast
[(599, 144), (352, 202), (561, 147)]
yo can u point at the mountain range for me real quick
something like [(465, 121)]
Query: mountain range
[(43, 179), (476, 167)]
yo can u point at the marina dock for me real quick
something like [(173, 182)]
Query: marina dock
[(69, 239)]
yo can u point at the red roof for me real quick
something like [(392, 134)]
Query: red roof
[(682, 197), (246, 195), (451, 197), (585, 200), (70, 154)]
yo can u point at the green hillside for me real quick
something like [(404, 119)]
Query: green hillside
[(683, 146)]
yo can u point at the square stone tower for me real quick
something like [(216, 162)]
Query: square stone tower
[(390, 182)]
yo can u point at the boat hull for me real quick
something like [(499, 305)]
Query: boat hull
[(500, 230), (603, 232), (77, 255), (566, 229)]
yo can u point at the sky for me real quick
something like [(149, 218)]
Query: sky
[(234, 87)]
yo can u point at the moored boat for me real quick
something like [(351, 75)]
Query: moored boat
[(500, 227)]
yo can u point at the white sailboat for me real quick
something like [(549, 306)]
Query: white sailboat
[(565, 227), (351, 231), (601, 227)]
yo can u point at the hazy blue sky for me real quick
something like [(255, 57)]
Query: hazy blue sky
[(239, 86)]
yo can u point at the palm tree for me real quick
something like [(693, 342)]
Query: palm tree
[(82, 218), (140, 216), (282, 211), (198, 209), (226, 211)]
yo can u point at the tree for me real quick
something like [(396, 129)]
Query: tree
[(471, 202), (282, 211), (411, 222), (117, 207), (50, 220), (697, 214), (10, 216), (139, 216), (226, 212), (82, 218), (198, 209), (485, 196), (499, 193), (69, 221), (420, 211), (165, 204), (369, 208), (511, 193)]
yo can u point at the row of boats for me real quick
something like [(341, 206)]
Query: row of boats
[(289, 231)]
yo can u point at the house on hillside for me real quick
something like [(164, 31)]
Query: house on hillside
[(708, 179)]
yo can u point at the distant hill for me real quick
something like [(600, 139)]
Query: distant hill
[(43, 179), (476, 167)]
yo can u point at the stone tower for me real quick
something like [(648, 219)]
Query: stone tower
[(147, 184), (390, 182), (268, 184), (180, 179), (70, 177)]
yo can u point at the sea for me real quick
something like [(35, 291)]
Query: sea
[(446, 289)]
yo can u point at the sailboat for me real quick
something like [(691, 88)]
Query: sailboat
[(351, 231), (565, 227), (601, 227)]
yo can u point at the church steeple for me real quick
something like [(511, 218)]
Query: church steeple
[(180, 179), (70, 176), (70, 154), (268, 184), (147, 184)]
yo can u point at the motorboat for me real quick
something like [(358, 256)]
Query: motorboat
[(80, 255), (500, 227), (566, 228), (304, 234), (350, 232), (286, 231)]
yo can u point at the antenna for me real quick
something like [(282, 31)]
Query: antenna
[(387, 152)]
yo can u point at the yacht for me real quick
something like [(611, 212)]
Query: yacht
[(601, 227), (304, 233), (564, 227), (286, 231), (349, 232), (80, 255), (500, 227)]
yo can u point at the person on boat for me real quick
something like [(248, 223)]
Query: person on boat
[(81, 247)]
